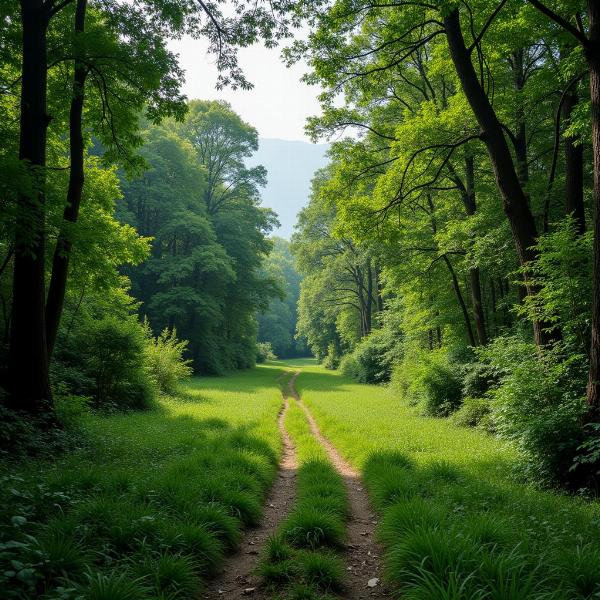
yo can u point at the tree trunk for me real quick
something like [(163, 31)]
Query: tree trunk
[(520, 123), (470, 203), (369, 295), (461, 301), (573, 168), (514, 201), (27, 378), (593, 58), (62, 252)]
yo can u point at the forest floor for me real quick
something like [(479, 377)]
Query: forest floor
[(202, 497)]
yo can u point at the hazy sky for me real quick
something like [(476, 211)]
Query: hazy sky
[(277, 105)]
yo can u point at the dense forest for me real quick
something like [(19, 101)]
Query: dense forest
[(444, 274), (449, 245)]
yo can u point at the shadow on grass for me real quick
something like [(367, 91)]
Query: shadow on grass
[(446, 529), (148, 489)]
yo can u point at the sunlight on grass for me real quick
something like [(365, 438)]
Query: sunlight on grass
[(449, 495), (152, 501)]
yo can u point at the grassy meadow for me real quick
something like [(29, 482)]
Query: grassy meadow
[(150, 502), (454, 521)]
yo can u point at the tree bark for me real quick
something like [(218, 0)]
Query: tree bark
[(470, 203), (514, 200), (461, 301), (573, 167), (520, 122), (28, 381), (593, 59), (62, 252)]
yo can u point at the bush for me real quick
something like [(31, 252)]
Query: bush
[(477, 379), (111, 354), (539, 404), (371, 360), (430, 380), (332, 360), (474, 412), (164, 359), (264, 352)]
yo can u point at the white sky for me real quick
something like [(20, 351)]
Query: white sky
[(279, 103)]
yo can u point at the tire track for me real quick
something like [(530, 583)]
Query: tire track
[(362, 551), (237, 579)]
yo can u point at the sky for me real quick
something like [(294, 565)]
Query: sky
[(279, 103)]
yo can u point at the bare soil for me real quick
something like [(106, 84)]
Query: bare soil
[(362, 551), (237, 579)]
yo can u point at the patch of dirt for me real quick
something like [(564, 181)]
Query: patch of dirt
[(362, 552), (237, 579)]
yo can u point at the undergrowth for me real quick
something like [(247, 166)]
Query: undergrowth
[(149, 503), (301, 560), (454, 520)]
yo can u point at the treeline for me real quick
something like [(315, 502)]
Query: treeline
[(200, 205), (449, 247), (126, 213), (277, 324)]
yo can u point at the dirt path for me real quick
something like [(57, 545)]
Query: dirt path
[(362, 552), (237, 579)]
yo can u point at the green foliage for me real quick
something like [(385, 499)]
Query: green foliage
[(429, 380), (277, 324), (562, 272), (371, 360), (332, 359), (539, 405), (200, 204), (148, 505), (264, 352), (474, 412), (113, 352), (164, 357)]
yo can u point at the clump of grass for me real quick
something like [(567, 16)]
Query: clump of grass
[(171, 575), (321, 569), (197, 541), (217, 521), (114, 586), (308, 527), (301, 556), (402, 518), (147, 508)]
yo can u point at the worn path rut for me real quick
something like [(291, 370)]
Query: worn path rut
[(237, 579), (362, 551)]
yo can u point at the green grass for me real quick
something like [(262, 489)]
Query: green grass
[(302, 556), (150, 503), (455, 522)]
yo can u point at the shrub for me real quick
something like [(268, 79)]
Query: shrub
[(539, 404), (332, 359), (430, 380), (371, 360), (165, 359), (264, 352), (477, 379), (112, 355), (474, 412)]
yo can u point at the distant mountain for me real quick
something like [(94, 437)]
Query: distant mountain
[(290, 166)]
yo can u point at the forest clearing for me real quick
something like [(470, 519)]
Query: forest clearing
[(300, 299), (155, 504)]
